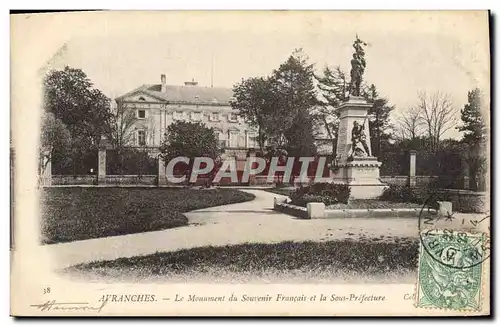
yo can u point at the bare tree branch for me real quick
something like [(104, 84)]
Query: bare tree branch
[(438, 115), (410, 123)]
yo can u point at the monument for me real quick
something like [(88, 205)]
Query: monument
[(356, 166)]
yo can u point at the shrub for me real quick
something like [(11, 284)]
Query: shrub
[(465, 202), (307, 198), (400, 194), (327, 193)]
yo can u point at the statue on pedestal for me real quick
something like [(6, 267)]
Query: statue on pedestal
[(354, 164), (358, 65)]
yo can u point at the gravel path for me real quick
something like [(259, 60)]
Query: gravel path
[(253, 221)]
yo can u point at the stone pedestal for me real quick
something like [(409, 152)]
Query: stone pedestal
[(315, 210), (363, 177), (445, 208), (361, 173)]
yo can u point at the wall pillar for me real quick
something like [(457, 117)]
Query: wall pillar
[(251, 177), (101, 166), (412, 180), (46, 177), (465, 176), (101, 170), (162, 178)]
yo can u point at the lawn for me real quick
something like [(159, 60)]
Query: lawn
[(74, 213), (339, 259)]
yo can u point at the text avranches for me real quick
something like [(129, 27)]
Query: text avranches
[(127, 298)]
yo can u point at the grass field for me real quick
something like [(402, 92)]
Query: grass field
[(340, 259), (75, 213)]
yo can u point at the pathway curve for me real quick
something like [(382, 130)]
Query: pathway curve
[(253, 221)]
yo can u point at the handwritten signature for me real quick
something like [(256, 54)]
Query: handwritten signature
[(52, 305)]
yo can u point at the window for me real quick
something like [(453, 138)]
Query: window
[(195, 116), (233, 138), (252, 140), (214, 116), (141, 114), (141, 137), (233, 117), (178, 115), (222, 144), (142, 99)]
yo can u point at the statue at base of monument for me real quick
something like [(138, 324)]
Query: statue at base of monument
[(358, 137)]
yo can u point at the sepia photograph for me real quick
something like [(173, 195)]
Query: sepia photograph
[(250, 163)]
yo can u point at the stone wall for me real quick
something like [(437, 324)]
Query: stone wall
[(399, 180), (464, 201), (259, 180), (74, 179), (109, 180), (131, 180), (422, 181)]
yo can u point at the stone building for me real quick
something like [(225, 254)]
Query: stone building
[(156, 106)]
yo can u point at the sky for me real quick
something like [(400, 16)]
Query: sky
[(408, 52)]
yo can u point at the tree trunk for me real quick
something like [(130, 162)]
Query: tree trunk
[(261, 141)]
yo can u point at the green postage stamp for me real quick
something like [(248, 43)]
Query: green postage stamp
[(450, 269)]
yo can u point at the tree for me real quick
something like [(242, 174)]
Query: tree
[(334, 89), (70, 96), (301, 136), (334, 86), (474, 126), (474, 139), (54, 138), (438, 114), (410, 123), (297, 96), (257, 102), (278, 105), (121, 135), (190, 140), (379, 123)]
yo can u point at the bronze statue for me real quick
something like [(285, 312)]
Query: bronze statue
[(358, 136), (358, 65)]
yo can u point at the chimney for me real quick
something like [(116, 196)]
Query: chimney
[(163, 83), (191, 83)]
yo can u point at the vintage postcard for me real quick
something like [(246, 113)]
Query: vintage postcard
[(250, 163)]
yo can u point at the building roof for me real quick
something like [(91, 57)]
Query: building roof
[(185, 94)]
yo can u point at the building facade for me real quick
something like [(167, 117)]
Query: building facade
[(156, 106)]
